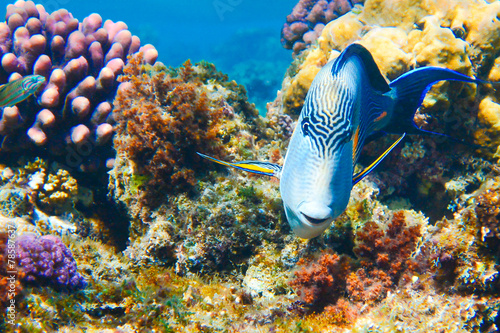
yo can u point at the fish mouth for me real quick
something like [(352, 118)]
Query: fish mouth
[(313, 220), (314, 213)]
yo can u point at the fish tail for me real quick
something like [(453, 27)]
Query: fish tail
[(408, 92)]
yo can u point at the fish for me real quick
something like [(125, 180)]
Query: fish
[(18, 90), (348, 103)]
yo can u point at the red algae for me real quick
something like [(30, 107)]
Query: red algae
[(390, 249), (323, 282), (384, 262), (161, 121)]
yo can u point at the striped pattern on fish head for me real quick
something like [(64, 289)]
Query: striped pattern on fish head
[(316, 179), (31, 83), (18, 90)]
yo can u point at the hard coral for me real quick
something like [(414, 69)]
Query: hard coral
[(81, 63), (161, 122), (308, 18), (46, 260), (431, 34)]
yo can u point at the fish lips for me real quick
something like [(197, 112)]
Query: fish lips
[(309, 219)]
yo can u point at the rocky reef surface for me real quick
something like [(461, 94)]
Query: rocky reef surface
[(168, 242)]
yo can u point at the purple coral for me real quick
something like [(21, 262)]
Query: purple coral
[(80, 62), (46, 260), (308, 18)]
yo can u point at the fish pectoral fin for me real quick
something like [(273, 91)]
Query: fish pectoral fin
[(260, 168), (357, 178)]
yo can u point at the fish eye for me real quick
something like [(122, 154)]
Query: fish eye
[(348, 137), (305, 126)]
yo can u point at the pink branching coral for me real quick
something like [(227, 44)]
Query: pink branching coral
[(80, 62), (308, 18)]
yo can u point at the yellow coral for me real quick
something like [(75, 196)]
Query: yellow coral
[(461, 35), (438, 46), (395, 13), (340, 33), (489, 117), (386, 46), (58, 190)]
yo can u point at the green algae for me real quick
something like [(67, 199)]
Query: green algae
[(137, 181)]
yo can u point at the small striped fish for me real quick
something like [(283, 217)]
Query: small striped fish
[(348, 101), (18, 90)]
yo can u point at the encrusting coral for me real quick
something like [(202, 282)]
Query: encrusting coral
[(81, 62), (47, 260)]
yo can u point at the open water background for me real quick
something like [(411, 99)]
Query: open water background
[(242, 37)]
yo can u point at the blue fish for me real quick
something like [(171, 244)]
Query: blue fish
[(348, 101)]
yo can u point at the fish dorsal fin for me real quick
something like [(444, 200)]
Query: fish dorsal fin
[(372, 87), (357, 178), (376, 79), (260, 168)]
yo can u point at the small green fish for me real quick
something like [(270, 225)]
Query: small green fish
[(18, 90)]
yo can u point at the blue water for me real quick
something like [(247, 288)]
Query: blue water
[(242, 37)]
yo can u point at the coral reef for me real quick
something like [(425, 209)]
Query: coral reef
[(470, 261), (433, 34), (81, 63), (46, 260), (163, 118), (308, 18), (207, 249)]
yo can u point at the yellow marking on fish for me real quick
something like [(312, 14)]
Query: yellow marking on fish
[(355, 144), (250, 166)]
